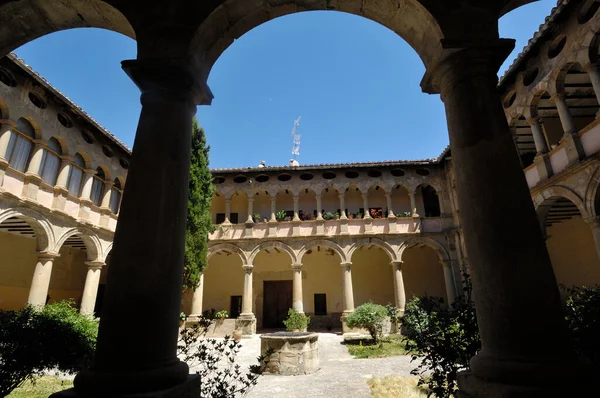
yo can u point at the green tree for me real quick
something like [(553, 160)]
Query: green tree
[(199, 220)]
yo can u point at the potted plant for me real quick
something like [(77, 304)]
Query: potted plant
[(280, 215), (359, 215), (296, 322), (328, 215), (220, 315), (256, 217)]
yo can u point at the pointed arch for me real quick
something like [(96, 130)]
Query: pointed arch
[(322, 242), (41, 226), (214, 249), (89, 238), (432, 243), (273, 244), (372, 241)]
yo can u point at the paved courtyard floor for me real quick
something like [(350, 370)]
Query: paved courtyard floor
[(340, 375)]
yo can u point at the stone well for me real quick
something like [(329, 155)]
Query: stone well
[(294, 353)]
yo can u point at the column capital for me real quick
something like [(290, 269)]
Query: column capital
[(341, 195), (533, 120), (248, 267), (8, 122), (228, 199), (251, 199), (346, 264), (47, 255), (593, 222), (167, 79), (396, 263), (297, 266), (557, 97), (95, 265)]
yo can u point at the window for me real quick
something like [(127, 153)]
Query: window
[(220, 218), (76, 175), (98, 187), (235, 309), (115, 196), (20, 145), (320, 304), (51, 162), (233, 218)]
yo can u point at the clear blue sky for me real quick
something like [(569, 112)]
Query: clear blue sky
[(354, 82)]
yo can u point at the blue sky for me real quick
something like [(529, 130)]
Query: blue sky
[(354, 83)]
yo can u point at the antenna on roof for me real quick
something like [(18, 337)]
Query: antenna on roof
[(295, 142)]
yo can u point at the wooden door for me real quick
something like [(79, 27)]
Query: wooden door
[(277, 301)]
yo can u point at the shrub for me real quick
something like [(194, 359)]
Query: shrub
[(371, 317), (33, 340), (296, 320), (582, 312)]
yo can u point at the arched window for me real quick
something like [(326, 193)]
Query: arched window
[(431, 201), (76, 175), (115, 196), (98, 187), (20, 145), (51, 162)]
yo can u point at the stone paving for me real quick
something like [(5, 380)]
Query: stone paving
[(340, 375)]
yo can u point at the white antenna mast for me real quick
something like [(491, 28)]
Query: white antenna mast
[(296, 139)]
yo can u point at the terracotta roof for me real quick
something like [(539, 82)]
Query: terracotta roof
[(74, 107), (543, 29)]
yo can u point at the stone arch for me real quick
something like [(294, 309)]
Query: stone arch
[(227, 22), (41, 226), (214, 249), (592, 192), (544, 200), (89, 238), (386, 247), (64, 147), (107, 252), (24, 21), (106, 171), (278, 244), (36, 127), (432, 243), (86, 158), (323, 242)]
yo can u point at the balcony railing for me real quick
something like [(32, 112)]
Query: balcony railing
[(354, 227)]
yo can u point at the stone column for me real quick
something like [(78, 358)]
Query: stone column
[(246, 322), (147, 257), (36, 159), (5, 133), (594, 224), (594, 74), (538, 136), (227, 211), (388, 198), (250, 210), (516, 294), (365, 198), (296, 208), (88, 179), (566, 119), (413, 203), (342, 197), (38, 292), (319, 207), (63, 173), (196, 311), (449, 281), (90, 290), (399, 292), (348, 289), (105, 203), (297, 302), (273, 209)]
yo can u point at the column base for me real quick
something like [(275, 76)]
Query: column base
[(188, 389), (246, 323)]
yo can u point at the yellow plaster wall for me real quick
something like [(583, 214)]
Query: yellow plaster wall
[(330, 200), (217, 206), (372, 277), (422, 273), (285, 201), (239, 204), (353, 200), (68, 275), (377, 198), (400, 200), (223, 278), (17, 262), (572, 252), (323, 274), (262, 205), (307, 201)]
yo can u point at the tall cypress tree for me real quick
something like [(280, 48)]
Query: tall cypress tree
[(199, 220)]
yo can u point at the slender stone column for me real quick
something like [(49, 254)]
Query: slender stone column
[(296, 208), (227, 211), (538, 136), (516, 294), (105, 204), (273, 209), (250, 210), (63, 173), (5, 133), (319, 208), (36, 159), (297, 302), (399, 292), (566, 119), (388, 198), (247, 295), (88, 179), (449, 281), (594, 224), (90, 289), (342, 197), (147, 257), (196, 311), (594, 74), (348, 289), (365, 198), (41, 279), (413, 203)]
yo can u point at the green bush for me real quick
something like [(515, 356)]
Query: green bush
[(582, 312), (31, 341), (371, 317), (296, 320)]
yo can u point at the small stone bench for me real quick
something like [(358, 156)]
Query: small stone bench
[(293, 353)]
